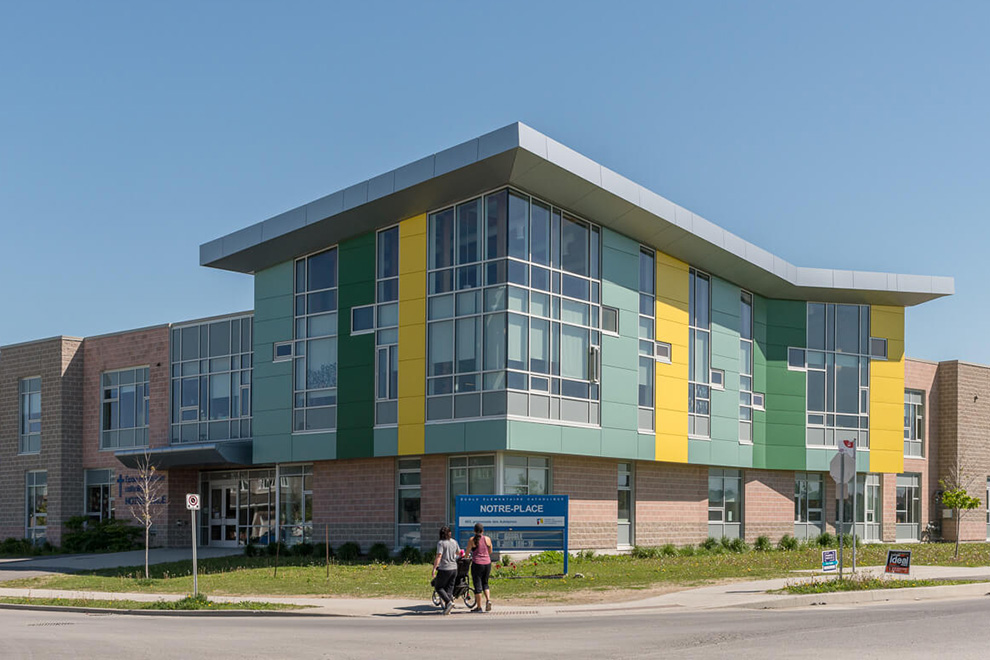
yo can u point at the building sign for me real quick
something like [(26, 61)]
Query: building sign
[(522, 523), (829, 561), (898, 562)]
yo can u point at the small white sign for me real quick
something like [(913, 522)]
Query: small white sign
[(192, 501)]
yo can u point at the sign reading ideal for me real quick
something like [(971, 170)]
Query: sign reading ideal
[(829, 561), (898, 562)]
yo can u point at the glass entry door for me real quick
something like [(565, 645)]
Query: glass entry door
[(223, 514)]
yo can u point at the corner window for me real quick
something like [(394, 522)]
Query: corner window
[(525, 475), (663, 352), (30, 416), (469, 475), (717, 378), (795, 359), (125, 408)]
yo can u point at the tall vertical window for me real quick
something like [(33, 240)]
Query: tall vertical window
[(625, 502), (30, 416), (387, 328), (914, 423), (699, 358), (315, 367), (525, 475), (124, 413), (513, 311), (725, 502), (296, 500), (408, 499), (745, 367), (469, 475), (99, 494), (211, 381), (907, 507), (647, 325), (837, 361), (36, 495), (809, 498)]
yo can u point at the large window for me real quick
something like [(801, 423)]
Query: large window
[(513, 310), (211, 381), (626, 503), (837, 361), (525, 475), (387, 328), (315, 365), (647, 325), (296, 502), (99, 494), (124, 413), (745, 367), (36, 496), (30, 416), (725, 502), (914, 423), (408, 499), (470, 475), (699, 357), (809, 499), (908, 507)]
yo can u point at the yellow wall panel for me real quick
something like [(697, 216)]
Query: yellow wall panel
[(671, 379), (412, 335), (887, 392)]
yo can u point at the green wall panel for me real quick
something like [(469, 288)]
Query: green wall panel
[(271, 388), (355, 354), (784, 437), (387, 441), (620, 355)]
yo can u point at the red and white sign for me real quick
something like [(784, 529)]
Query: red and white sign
[(192, 501)]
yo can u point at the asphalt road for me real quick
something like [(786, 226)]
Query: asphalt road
[(952, 629)]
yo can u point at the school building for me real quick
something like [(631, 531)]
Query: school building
[(502, 317)]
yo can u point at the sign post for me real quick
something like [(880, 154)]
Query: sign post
[(842, 468), (516, 522), (192, 503)]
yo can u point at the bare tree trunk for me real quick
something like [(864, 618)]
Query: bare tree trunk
[(147, 534)]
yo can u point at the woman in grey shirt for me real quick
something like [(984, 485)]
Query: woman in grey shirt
[(445, 567)]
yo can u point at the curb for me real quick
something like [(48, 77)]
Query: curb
[(873, 596), (193, 613)]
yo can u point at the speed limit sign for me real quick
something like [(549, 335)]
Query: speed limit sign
[(192, 501)]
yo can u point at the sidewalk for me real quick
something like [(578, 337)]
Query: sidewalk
[(750, 595)]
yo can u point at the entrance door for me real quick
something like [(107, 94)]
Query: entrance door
[(625, 497), (223, 514)]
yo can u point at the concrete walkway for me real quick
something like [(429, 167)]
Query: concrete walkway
[(751, 595)]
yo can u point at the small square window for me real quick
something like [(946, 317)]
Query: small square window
[(283, 351), (795, 358), (878, 348), (610, 320), (758, 401), (362, 319), (717, 379), (663, 352)]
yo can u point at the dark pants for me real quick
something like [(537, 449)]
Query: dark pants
[(479, 576), (445, 581)]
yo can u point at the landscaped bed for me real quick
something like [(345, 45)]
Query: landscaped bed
[(862, 583), (652, 569)]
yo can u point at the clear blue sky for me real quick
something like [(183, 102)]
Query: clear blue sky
[(840, 135)]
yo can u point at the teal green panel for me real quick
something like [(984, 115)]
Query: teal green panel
[(785, 458), (276, 422), (817, 460), (619, 297), (724, 428), (725, 300), (276, 307), (486, 435), (269, 331), (699, 451), (647, 447), (314, 447), (725, 350), (745, 456), (271, 393), (272, 451), (576, 440), (759, 377), (274, 281), (355, 354), (616, 241), (620, 270), (445, 438), (724, 453), (620, 444), (620, 385), (621, 416), (862, 461), (527, 436), (387, 441)]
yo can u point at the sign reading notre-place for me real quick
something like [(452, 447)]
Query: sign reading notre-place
[(523, 523)]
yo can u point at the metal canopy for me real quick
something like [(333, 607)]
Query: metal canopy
[(519, 156), (216, 454)]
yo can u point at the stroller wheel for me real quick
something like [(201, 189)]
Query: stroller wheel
[(436, 599), (469, 599)]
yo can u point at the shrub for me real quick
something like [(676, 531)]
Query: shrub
[(410, 555), (277, 548), (379, 553), (548, 557), (252, 550), (645, 552), (825, 540), (668, 550), (709, 544), (686, 551), (738, 545), (303, 549), (107, 535), (585, 554), (349, 551), (12, 546), (847, 540), (726, 542), (787, 542), (320, 551), (763, 544)]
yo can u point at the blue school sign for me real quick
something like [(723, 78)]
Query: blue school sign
[(527, 523)]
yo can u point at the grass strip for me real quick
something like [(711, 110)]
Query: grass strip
[(187, 603), (864, 583)]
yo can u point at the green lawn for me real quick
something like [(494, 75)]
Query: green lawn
[(307, 576), (188, 603), (862, 584)]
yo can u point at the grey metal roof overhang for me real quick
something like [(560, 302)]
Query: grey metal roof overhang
[(520, 156), (214, 454)]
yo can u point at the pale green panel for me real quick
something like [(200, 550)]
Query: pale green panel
[(725, 427), (699, 451), (267, 332), (444, 438), (862, 461), (620, 385), (274, 281), (483, 435), (271, 393), (818, 460), (620, 444), (725, 453), (616, 241), (746, 456), (314, 446), (725, 301), (529, 436), (647, 446), (387, 441), (621, 416), (725, 350), (620, 297), (582, 441)]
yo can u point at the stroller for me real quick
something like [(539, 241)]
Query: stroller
[(461, 589)]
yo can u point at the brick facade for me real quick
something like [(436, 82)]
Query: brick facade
[(671, 503), (768, 504), (356, 499), (592, 485)]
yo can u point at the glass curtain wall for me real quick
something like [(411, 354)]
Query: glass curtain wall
[(647, 325), (513, 310), (699, 357), (315, 364), (124, 413), (387, 328)]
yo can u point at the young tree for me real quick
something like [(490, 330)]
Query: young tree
[(148, 500), (955, 497)]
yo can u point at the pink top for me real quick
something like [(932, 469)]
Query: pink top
[(480, 554)]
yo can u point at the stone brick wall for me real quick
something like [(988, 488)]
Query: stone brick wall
[(768, 504), (592, 485), (671, 503), (356, 498), (433, 502)]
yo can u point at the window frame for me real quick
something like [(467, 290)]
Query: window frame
[(29, 442), (400, 470), (139, 432)]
